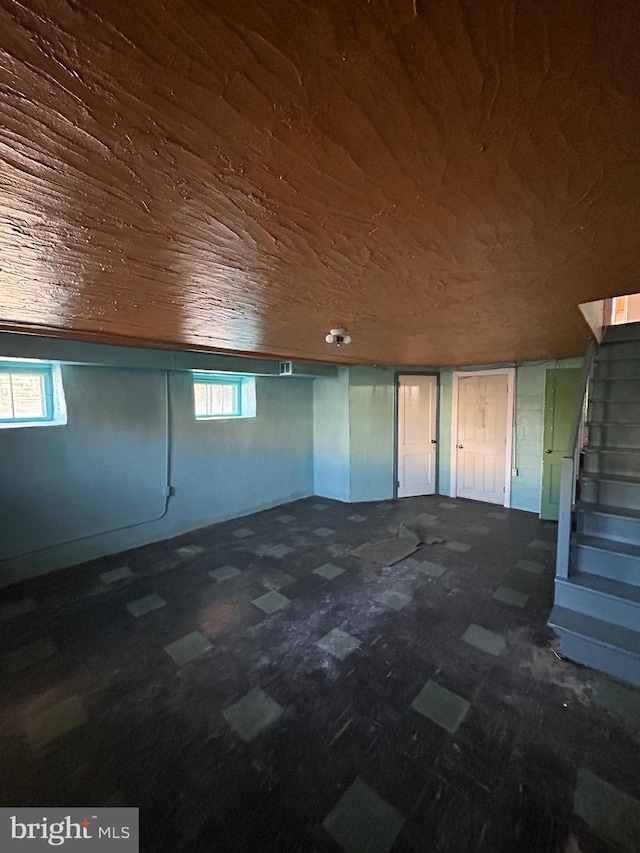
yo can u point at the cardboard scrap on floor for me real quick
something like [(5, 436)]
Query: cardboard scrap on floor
[(409, 537)]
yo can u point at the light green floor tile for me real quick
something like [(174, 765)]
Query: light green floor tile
[(278, 551), (224, 573), (461, 547), (328, 571), (252, 714), (17, 608), (531, 567), (496, 515), (479, 528), (395, 600), (28, 655), (271, 601), (323, 531), (625, 704), (362, 822), (187, 648), (142, 606), (542, 544), (190, 551), (611, 814), (285, 519), (511, 596), (338, 643), (319, 506), (57, 721), (445, 708), (434, 570), (356, 517), (116, 575), (485, 640), (448, 505), (243, 532)]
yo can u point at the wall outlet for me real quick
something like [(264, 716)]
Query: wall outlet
[(514, 472)]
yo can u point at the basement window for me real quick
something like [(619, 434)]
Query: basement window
[(220, 396), (30, 394)]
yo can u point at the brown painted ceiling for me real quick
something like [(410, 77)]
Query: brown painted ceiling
[(447, 180)]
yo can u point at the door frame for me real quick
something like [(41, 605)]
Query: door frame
[(396, 385), (510, 373)]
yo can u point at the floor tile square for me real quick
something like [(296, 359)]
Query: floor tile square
[(362, 822), (328, 571), (285, 519), (445, 708), (542, 544), (623, 703), (479, 528), (55, 722), (447, 505), (425, 518), (496, 515), (252, 714), (142, 606), (278, 551), (319, 506), (434, 570), (338, 643), (323, 531), (188, 648), (116, 575), (461, 547), (612, 814), (511, 596), (190, 551), (395, 600), (356, 517), (531, 567), (271, 601), (224, 573), (28, 655), (17, 608), (487, 641), (243, 532)]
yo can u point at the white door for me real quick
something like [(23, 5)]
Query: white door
[(481, 437), (417, 400)]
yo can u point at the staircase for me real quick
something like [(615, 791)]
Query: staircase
[(596, 611)]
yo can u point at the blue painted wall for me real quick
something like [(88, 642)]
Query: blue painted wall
[(371, 429), (331, 465), (106, 467)]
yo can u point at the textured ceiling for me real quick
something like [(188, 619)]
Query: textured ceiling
[(447, 180)]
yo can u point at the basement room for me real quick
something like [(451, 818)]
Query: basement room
[(320, 426)]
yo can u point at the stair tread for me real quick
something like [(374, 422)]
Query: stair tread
[(610, 478), (608, 545), (605, 509), (628, 451), (607, 586), (614, 636)]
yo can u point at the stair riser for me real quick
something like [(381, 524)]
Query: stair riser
[(622, 332), (626, 495), (627, 390), (621, 350), (593, 603), (618, 464), (622, 665), (618, 567), (617, 370), (615, 528), (614, 435), (626, 413)]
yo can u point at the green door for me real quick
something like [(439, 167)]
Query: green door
[(560, 401)]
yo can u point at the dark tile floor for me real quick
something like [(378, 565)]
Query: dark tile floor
[(256, 687)]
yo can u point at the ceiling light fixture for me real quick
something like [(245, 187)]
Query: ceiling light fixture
[(338, 337)]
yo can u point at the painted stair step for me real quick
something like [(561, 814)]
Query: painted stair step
[(614, 435), (615, 560), (617, 369), (613, 412), (621, 492), (608, 522), (601, 598), (626, 391), (598, 644), (621, 462), (615, 350), (621, 332)]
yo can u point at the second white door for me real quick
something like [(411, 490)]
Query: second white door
[(481, 437), (417, 448)]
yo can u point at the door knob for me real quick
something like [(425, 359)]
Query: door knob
[(460, 446), (433, 441), (548, 451)]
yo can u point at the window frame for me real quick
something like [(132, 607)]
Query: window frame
[(201, 377), (45, 370)]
